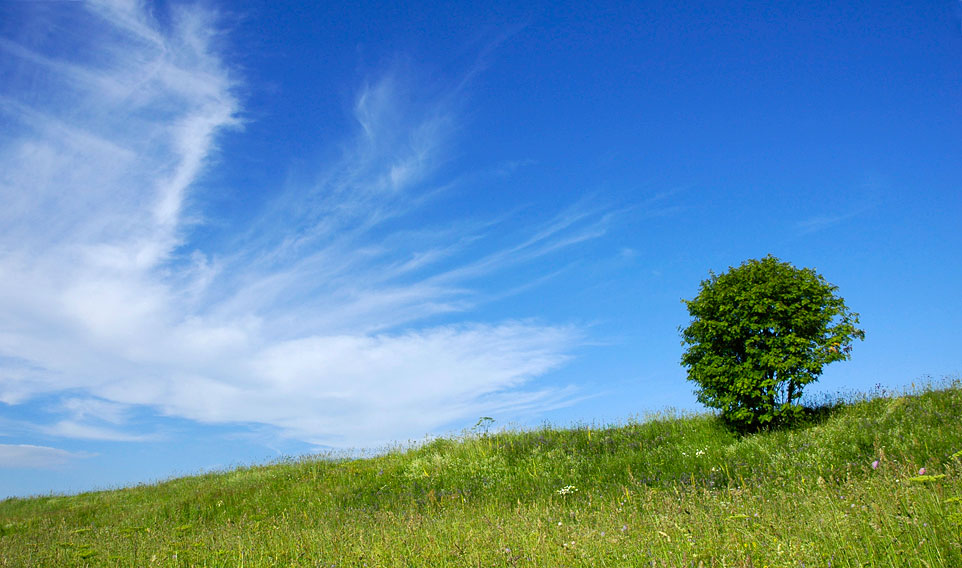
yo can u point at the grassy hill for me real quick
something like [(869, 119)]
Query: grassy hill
[(668, 491)]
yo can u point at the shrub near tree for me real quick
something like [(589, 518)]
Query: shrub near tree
[(759, 333)]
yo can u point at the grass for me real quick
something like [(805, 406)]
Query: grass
[(668, 491)]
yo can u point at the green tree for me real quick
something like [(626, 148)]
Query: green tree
[(759, 333)]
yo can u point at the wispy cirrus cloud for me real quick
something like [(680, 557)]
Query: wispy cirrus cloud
[(822, 222), (825, 221), (308, 320), (27, 456)]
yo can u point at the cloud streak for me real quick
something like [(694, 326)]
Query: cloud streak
[(309, 320), (35, 457)]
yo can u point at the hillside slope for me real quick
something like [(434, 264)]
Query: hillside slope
[(845, 490)]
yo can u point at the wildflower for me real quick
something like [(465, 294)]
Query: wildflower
[(922, 471), (875, 464), (700, 453), (567, 490)]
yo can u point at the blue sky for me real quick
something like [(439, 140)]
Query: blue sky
[(233, 233)]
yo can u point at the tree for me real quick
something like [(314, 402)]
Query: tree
[(761, 332)]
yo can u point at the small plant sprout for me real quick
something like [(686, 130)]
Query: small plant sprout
[(483, 425), (927, 478)]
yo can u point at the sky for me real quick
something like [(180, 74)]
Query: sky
[(233, 233)]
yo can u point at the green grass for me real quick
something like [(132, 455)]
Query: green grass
[(667, 491)]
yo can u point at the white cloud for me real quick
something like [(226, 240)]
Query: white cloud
[(307, 321), (35, 457), (91, 408), (80, 431), (821, 222)]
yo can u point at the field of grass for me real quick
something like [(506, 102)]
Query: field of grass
[(845, 490)]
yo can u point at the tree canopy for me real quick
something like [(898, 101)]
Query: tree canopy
[(759, 333)]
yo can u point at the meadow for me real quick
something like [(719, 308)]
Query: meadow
[(869, 480)]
